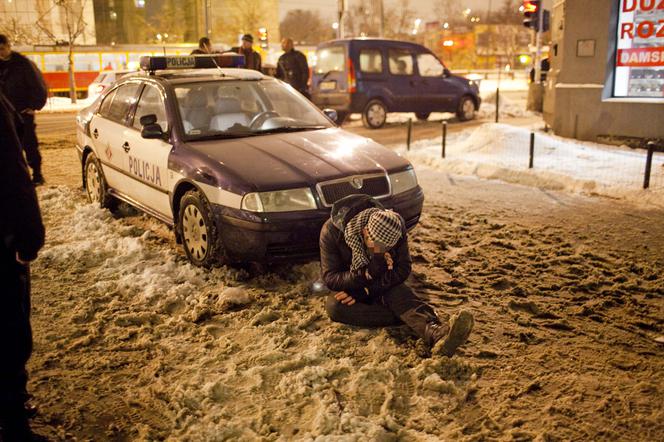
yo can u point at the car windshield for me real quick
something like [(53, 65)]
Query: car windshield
[(237, 108)]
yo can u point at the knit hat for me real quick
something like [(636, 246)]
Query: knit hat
[(248, 37), (385, 228)]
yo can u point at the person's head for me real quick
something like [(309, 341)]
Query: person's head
[(287, 44), (5, 47), (401, 67), (383, 231), (205, 45), (247, 41)]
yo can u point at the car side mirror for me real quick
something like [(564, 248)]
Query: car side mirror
[(146, 120), (331, 114), (446, 72), (152, 131)]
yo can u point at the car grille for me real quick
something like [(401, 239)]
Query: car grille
[(374, 185)]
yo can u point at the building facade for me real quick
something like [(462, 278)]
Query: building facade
[(607, 70)]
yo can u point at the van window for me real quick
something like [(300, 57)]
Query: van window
[(330, 59), (401, 62), (371, 61), (429, 65)]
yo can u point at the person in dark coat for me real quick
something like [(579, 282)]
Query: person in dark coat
[(204, 47), (292, 67), (21, 237), (22, 83), (252, 59), (365, 259)]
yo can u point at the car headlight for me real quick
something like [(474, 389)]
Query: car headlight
[(280, 201), (403, 181)]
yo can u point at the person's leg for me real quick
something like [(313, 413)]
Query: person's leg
[(360, 314), (15, 347), (31, 147)]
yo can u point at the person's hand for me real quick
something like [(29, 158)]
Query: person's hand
[(344, 298), (367, 275), (389, 261)]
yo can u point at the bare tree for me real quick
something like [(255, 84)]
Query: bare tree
[(19, 32), (305, 27), (239, 18), (399, 21), (449, 11), (71, 14)]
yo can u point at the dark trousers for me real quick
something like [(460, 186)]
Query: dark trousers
[(392, 307), (15, 334), (30, 143)]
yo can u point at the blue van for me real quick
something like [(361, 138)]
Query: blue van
[(375, 76)]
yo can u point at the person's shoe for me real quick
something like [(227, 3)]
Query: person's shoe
[(460, 328), (434, 332), (38, 179)]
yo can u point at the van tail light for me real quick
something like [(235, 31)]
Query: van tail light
[(352, 83)]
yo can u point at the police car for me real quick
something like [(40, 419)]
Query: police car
[(242, 166)]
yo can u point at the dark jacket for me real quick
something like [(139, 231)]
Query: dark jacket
[(22, 83), (252, 59), (21, 227), (336, 256), (292, 67)]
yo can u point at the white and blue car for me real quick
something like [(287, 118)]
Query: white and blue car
[(242, 166)]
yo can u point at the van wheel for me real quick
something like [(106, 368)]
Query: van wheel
[(96, 187), (374, 115), (466, 109), (199, 232), (422, 116)]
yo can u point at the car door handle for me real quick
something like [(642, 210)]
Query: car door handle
[(95, 133), (126, 147)]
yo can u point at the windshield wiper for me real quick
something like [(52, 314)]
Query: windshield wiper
[(219, 136), (289, 129)]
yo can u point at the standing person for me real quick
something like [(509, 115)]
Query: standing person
[(252, 59), (22, 83), (21, 237), (292, 67), (204, 47), (364, 258)]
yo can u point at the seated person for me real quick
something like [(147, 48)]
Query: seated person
[(364, 259)]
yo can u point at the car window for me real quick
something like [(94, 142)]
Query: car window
[(330, 59), (429, 66), (151, 103), (371, 61), (401, 62), (99, 78), (106, 104), (123, 99)]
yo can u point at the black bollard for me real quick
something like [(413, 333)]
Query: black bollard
[(410, 130), (651, 151), (444, 137), (497, 103), (532, 150)]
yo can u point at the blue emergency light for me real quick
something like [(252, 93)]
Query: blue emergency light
[(162, 62)]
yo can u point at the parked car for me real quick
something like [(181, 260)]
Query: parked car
[(242, 166), (376, 76), (103, 81)]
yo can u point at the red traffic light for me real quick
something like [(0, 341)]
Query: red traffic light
[(530, 6)]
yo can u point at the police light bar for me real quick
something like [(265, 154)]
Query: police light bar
[(161, 62)]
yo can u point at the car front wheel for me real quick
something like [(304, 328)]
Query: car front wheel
[(466, 109), (95, 184), (374, 115), (200, 235)]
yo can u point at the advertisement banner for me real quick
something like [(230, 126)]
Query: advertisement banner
[(639, 68)]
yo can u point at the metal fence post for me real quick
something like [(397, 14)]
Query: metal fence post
[(532, 150), (497, 103), (444, 137), (410, 130), (651, 151)]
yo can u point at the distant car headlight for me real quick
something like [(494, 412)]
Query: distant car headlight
[(280, 201), (403, 181)]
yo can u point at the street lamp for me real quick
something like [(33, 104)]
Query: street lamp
[(335, 25)]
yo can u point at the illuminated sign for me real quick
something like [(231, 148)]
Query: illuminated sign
[(639, 66), (155, 63)]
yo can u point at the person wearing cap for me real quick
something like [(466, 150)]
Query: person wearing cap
[(204, 47), (252, 59), (365, 262)]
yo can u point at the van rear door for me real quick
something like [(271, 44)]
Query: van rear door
[(329, 82)]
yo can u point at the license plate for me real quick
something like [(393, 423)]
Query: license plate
[(327, 85)]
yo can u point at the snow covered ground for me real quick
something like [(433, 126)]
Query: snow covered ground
[(501, 151)]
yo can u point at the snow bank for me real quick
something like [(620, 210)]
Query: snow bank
[(500, 151), (64, 104)]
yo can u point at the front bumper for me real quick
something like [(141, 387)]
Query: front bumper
[(292, 236)]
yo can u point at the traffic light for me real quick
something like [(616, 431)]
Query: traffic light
[(531, 12), (262, 37)]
